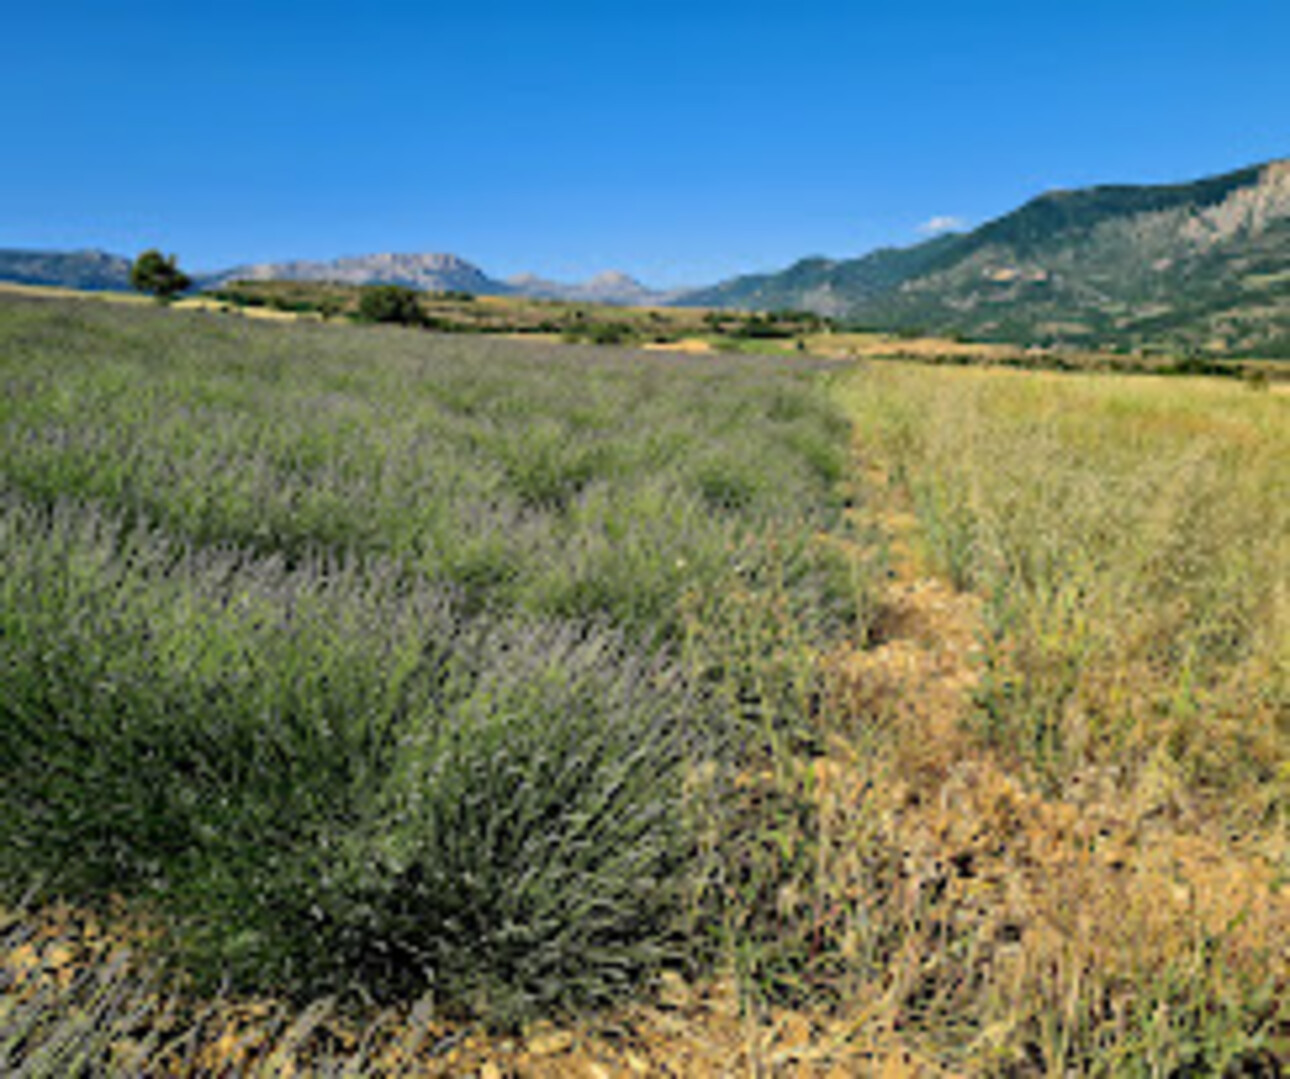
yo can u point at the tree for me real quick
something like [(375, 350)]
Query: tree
[(154, 273), (390, 303)]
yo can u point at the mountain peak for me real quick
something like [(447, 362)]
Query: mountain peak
[(428, 271), (609, 287)]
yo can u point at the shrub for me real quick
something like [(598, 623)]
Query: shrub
[(336, 781), (761, 326), (528, 851), (266, 628), (599, 333), (390, 303)]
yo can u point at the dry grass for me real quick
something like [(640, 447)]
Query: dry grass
[(54, 292), (1084, 769), (686, 344), (110, 1010), (885, 345), (201, 303), (190, 303)]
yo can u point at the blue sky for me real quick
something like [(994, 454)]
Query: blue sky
[(681, 142)]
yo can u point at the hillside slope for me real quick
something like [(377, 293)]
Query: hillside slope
[(828, 286), (1201, 266)]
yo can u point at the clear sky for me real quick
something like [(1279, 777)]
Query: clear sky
[(681, 142)]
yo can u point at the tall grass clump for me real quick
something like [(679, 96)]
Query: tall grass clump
[(378, 663)]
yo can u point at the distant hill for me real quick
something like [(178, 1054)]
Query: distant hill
[(446, 273), (829, 287), (429, 272), (94, 270), (1201, 266), (611, 287)]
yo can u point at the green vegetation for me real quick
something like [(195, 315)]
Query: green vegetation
[(159, 275), (384, 662), (598, 333), (1196, 268), (386, 303), (828, 286), (581, 323)]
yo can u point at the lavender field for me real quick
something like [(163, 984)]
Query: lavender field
[(376, 662)]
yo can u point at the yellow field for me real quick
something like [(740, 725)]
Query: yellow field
[(192, 303), (1087, 743), (68, 293)]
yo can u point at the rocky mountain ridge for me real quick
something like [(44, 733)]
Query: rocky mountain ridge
[(610, 287), (430, 272)]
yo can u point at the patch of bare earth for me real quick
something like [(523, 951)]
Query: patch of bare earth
[(689, 1032)]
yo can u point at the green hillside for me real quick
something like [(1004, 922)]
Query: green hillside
[(1196, 267), (825, 285)]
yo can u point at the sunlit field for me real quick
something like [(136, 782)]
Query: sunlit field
[(1110, 812), (375, 663), (430, 704), (1131, 539)]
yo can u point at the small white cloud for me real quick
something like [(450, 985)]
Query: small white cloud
[(941, 223)]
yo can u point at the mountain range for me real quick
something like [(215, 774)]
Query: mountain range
[(612, 287), (1201, 266), (429, 272), (100, 271)]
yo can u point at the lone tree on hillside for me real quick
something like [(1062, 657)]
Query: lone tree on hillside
[(154, 273)]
